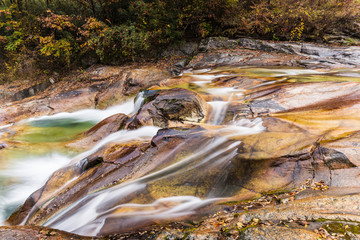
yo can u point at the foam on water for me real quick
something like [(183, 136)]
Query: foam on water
[(244, 127), (4, 128)]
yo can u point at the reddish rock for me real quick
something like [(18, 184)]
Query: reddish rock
[(104, 128)]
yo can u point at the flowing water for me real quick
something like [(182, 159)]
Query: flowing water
[(191, 174), (39, 151)]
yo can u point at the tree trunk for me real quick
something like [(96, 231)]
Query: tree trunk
[(93, 8), (19, 4)]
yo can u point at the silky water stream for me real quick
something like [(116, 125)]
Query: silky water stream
[(184, 171)]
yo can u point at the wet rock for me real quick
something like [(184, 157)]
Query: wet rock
[(15, 112), (245, 167), (170, 106), (178, 67), (276, 160), (309, 131), (35, 232), (243, 57), (220, 59), (104, 128), (121, 162), (110, 95), (332, 158), (302, 97)]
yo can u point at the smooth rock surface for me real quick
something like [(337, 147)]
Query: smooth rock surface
[(104, 128)]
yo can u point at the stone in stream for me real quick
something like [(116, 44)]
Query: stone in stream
[(168, 107)]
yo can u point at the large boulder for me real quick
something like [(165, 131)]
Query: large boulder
[(171, 107)]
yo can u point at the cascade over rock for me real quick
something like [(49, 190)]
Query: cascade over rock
[(276, 147)]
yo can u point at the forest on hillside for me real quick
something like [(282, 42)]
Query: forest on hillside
[(52, 34)]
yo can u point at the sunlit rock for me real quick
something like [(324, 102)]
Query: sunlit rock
[(99, 131)]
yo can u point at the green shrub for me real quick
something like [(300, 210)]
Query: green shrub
[(118, 42), (58, 33), (297, 20)]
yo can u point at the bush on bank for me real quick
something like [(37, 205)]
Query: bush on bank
[(52, 34)]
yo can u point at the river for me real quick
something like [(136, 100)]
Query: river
[(194, 174)]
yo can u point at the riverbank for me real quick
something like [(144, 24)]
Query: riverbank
[(92, 87)]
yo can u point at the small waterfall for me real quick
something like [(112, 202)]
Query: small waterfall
[(218, 111), (222, 91), (23, 176), (144, 133), (139, 101)]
